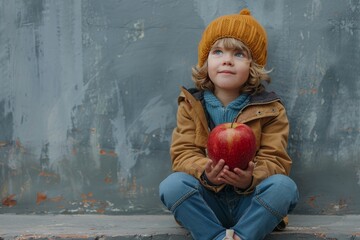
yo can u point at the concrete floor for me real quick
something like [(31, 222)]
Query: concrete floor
[(159, 227)]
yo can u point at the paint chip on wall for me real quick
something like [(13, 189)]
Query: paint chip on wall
[(137, 31)]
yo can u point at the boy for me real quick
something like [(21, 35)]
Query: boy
[(208, 199)]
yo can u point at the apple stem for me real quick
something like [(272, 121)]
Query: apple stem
[(232, 123)]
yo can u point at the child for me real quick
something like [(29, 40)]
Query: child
[(207, 198)]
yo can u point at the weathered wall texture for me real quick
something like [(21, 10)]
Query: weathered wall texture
[(88, 98)]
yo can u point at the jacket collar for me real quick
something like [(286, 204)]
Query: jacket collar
[(264, 97), (195, 98), (193, 94)]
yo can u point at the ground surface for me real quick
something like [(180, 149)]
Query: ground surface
[(158, 227)]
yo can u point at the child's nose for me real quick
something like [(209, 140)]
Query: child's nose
[(228, 59)]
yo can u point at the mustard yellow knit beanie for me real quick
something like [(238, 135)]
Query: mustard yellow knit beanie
[(243, 27)]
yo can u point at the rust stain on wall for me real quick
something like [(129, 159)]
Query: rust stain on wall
[(110, 153), (40, 197), (9, 201), (108, 178), (311, 91), (311, 201), (87, 198), (56, 199)]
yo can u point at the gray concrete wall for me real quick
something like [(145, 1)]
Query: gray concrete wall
[(88, 98)]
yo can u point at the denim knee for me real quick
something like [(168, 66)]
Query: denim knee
[(176, 188), (279, 192), (286, 185), (288, 188)]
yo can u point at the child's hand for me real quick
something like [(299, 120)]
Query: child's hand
[(238, 178), (213, 171)]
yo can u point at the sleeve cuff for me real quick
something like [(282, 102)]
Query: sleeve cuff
[(205, 181)]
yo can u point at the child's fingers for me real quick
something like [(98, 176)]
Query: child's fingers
[(229, 173), (219, 166), (251, 166), (229, 176), (208, 166)]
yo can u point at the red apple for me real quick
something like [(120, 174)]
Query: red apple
[(233, 142)]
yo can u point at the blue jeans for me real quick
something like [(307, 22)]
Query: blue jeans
[(207, 215)]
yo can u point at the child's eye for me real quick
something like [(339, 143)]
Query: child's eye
[(217, 52), (240, 55)]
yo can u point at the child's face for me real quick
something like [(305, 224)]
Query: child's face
[(228, 69)]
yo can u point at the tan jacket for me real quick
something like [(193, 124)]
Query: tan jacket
[(265, 114)]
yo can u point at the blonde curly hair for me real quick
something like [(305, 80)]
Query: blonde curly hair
[(257, 73)]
